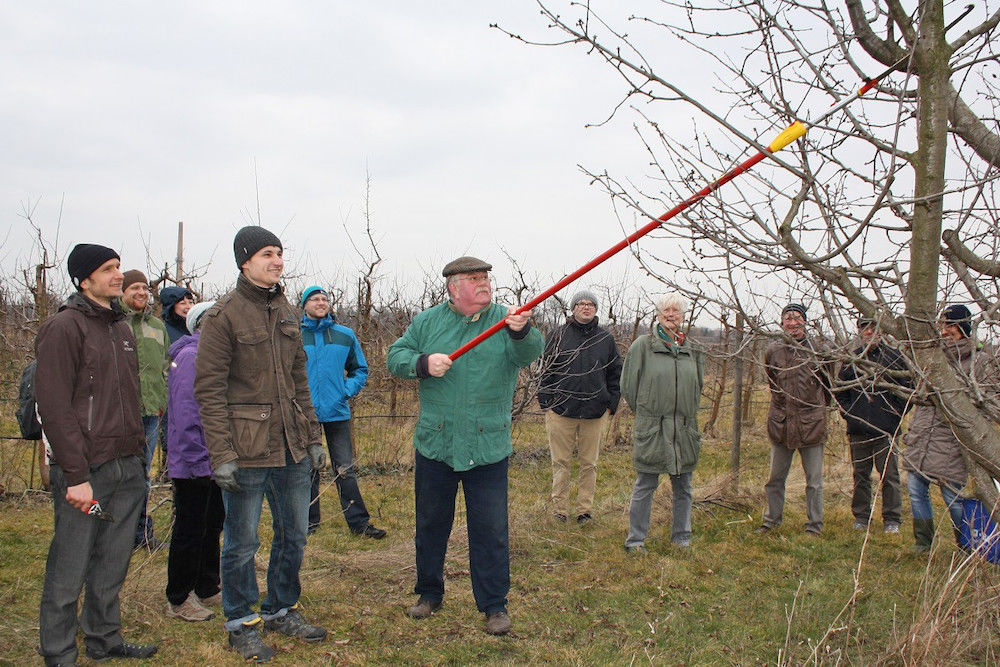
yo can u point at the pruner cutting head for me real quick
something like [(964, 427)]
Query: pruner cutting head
[(96, 511)]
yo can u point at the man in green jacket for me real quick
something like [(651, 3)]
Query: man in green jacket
[(463, 433), (151, 343)]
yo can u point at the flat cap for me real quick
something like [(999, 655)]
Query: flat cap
[(465, 265)]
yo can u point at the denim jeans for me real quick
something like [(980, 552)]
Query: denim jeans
[(338, 441), (193, 561), (641, 506), (144, 526), (920, 498), (485, 489), (812, 465), (87, 552), (287, 492)]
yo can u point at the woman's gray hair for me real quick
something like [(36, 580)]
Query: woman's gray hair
[(672, 299)]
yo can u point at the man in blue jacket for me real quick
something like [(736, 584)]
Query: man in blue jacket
[(463, 433), (337, 371)]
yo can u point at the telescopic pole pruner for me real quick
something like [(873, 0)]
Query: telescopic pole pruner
[(791, 133)]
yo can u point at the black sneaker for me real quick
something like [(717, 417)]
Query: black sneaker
[(247, 642), (583, 518), (371, 531), (123, 650), (294, 625)]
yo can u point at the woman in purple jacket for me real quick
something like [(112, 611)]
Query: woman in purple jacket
[(193, 562)]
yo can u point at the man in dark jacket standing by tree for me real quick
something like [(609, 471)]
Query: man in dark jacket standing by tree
[(581, 371), (263, 439), (800, 384), (873, 413), (87, 390)]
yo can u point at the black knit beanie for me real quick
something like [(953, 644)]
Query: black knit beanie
[(85, 258), (795, 307), (959, 315), (251, 239)]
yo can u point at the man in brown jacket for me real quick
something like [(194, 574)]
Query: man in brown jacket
[(800, 382), (87, 391), (263, 440)]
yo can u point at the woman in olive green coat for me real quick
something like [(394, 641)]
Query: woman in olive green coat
[(661, 381)]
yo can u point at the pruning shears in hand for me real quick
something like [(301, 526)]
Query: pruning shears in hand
[(98, 512)]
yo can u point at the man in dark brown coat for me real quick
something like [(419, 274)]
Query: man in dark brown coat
[(796, 421), (263, 440), (87, 391)]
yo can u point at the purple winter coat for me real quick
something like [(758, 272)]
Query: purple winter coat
[(187, 456)]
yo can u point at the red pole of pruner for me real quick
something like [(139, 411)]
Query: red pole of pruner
[(787, 136)]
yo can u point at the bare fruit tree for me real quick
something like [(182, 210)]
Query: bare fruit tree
[(850, 217)]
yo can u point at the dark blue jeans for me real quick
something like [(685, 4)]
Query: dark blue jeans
[(144, 527), (485, 489), (87, 552), (287, 493), (338, 441)]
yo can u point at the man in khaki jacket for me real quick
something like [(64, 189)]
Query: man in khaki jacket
[(263, 440), (800, 382)]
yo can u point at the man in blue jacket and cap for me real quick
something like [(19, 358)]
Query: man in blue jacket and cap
[(337, 371)]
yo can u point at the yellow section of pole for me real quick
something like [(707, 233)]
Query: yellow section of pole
[(787, 136)]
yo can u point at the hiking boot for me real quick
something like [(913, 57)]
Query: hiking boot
[(371, 531), (583, 518), (497, 623), (636, 549), (293, 624), (761, 530), (123, 651), (683, 543), (423, 608), (561, 518), (211, 601), (860, 525), (247, 642), (190, 610), (891, 528)]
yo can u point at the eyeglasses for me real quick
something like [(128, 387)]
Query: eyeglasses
[(585, 304)]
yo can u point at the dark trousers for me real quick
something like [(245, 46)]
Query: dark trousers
[(193, 562), (90, 555), (485, 489), (338, 441), (866, 451)]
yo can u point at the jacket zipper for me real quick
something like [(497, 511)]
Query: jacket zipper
[(121, 402)]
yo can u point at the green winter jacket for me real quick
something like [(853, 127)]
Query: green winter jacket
[(152, 342), (662, 385), (464, 417)]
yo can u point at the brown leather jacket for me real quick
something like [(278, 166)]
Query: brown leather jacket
[(800, 392), (87, 387), (931, 447), (250, 381)]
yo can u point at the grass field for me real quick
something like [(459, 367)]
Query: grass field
[(576, 596)]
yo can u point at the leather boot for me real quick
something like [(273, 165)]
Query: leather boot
[(923, 535)]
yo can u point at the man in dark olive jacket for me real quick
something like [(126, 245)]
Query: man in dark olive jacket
[(87, 390), (263, 440), (581, 371), (873, 413)]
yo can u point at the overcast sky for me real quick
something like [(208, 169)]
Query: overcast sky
[(132, 116)]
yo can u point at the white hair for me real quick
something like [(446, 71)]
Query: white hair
[(672, 299)]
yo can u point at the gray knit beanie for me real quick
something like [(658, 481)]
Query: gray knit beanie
[(584, 295)]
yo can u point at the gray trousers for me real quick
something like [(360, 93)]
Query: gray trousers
[(812, 465), (91, 555), (641, 506)]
